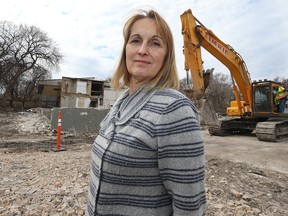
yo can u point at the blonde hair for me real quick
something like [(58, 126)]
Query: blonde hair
[(167, 77)]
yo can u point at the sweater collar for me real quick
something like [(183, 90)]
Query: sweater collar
[(128, 105)]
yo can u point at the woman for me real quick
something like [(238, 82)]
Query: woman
[(148, 158)]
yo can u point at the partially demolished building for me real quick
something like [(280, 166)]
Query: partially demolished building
[(77, 93)]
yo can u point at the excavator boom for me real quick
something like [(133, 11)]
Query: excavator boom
[(195, 36)]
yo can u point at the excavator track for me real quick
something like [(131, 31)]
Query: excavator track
[(272, 130), (217, 131), (233, 125)]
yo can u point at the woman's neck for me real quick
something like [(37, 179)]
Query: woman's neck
[(134, 85)]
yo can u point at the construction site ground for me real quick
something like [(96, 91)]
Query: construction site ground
[(244, 176)]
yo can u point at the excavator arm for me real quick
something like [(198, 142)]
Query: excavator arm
[(195, 36)]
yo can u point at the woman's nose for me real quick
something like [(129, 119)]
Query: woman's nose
[(143, 49)]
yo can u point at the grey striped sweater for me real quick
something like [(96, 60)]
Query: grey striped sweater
[(148, 159)]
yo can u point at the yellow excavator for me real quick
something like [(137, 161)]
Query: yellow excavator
[(254, 107)]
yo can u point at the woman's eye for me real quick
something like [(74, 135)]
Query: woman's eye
[(135, 41), (155, 43)]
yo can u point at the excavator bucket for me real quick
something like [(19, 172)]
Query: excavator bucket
[(200, 98), (208, 116)]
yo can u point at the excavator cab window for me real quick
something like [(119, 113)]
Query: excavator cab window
[(262, 97)]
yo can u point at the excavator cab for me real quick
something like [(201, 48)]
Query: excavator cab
[(264, 93)]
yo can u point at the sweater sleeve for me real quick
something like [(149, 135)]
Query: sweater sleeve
[(181, 158)]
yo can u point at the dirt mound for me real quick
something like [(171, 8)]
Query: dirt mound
[(243, 175)]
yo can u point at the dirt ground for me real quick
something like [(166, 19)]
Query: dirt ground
[(244, 176)]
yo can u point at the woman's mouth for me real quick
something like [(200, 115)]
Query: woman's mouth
[(142, 62)]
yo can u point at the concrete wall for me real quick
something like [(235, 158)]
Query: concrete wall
[(78, 119)]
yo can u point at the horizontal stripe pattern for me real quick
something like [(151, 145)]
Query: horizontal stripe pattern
[(180, 126), (131, 141), (161, 108), (183, 176), (128, 180), (130, 161), (148, 158), (189, 203), (134, 200), (184, 150)]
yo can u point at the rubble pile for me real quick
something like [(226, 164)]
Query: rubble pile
[(236, 189), (29, 122), (36, 181), (44, 183)]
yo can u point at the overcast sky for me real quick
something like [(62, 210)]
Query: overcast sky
[(89, 32)]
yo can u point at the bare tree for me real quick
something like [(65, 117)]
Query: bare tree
[(24, 50), (28, 84), (220, 90), (281, 80)]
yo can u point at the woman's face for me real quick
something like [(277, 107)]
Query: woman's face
[(145, 51)]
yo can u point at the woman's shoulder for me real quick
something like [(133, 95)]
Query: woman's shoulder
[(171, 101), (169, 95)]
